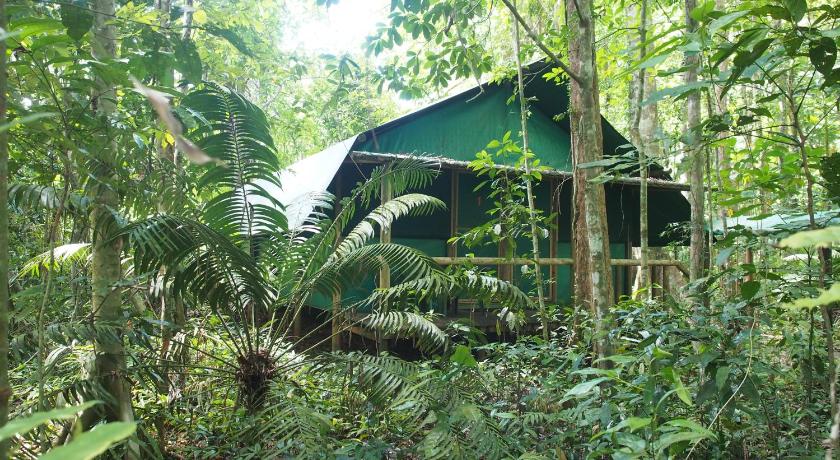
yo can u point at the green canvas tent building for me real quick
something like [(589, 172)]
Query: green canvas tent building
[(454, 130)]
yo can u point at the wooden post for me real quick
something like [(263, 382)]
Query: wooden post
[(452, 249), (554, 195), (386, 195), (335, 338)]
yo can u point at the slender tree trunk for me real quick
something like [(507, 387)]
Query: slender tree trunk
[(694, 157), (826, 311), (106, 270), (529, 188), (637, 96), (5, 387), (588, 146)]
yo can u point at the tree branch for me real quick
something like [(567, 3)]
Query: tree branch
[(539, 42)]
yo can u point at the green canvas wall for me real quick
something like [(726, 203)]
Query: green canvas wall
[(461, 129)]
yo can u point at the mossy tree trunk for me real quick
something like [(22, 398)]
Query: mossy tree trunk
[(591, 235), (106, 270), (694, 156)]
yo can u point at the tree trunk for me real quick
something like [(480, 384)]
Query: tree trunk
[(588, 146), (637, 95), (694, 157), (110, 366), (5, 387)]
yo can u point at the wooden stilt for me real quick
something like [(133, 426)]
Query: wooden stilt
[(452, 248), (385, 273), (336, 326)]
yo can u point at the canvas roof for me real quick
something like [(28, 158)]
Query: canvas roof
[(455, 128), (779, 223)]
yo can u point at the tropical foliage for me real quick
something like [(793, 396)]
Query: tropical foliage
[(157, 287)]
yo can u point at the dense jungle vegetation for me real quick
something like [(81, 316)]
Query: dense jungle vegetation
[(148, 303)]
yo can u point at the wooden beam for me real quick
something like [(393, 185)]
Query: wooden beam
[(454, 209), (499, 261)]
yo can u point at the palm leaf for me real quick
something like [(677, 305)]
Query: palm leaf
[(413, 204), (57, 258), (44, 197), (408, 324), (237, 133)]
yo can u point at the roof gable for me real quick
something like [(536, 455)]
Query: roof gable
[(462, 125)]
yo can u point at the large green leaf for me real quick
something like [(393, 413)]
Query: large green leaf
[(21, 425), (826, 297), (77, 17), (90, 444), (820, 238), (584, 388)]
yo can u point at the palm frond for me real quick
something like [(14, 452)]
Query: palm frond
[(31, 196), (408, 324), (405, 174), (404, 262), (237, 133), (297, 428), (56, 259), (412, 204), (201, 262), (466, 284)]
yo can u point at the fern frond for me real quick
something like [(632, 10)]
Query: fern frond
[(383, 216), (408, 324), (298, 428), (201, 262), (404, 262), (237, 133), (56, 259), (464, 285), (44, 197)]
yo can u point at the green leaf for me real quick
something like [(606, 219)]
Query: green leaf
[(797, 9), (633, 423), (26, 119), (725, 20), (682, 392), (702, 10), (583, 388), (691, 425), (749, 289), (231, 38), (721, 375), (463, 356), (820, 238), (76, 16), (90, 444), (27, 27), (653, 61), (675, 92), (823, 55), (723, 255), (187, 60), (21, 425), (826, 297), (673, 438)]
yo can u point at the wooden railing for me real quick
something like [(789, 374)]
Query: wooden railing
[(556, 261)]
